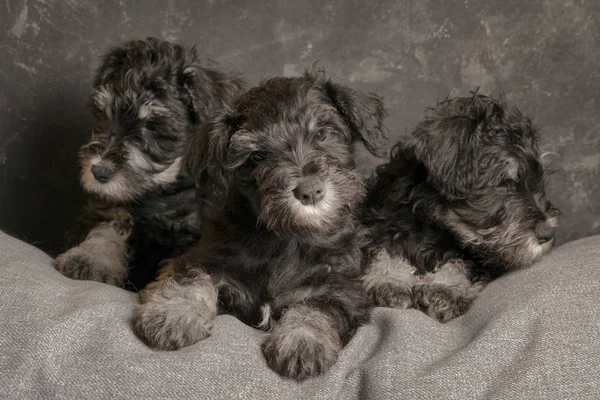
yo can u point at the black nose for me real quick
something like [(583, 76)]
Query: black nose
[(102, 174), (544, 232), (310, 191)]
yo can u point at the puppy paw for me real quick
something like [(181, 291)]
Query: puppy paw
[(174, 316), (391, 295), (303, 345), (448, 292), (102, 257), (441, 302), (388, 281), (78, 263)]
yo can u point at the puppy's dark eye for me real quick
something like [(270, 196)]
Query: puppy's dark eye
[(321, 136), (95, 147), (257, 156)]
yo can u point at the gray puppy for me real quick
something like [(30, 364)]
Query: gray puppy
[(461, 201), (284, 253), (149, 98)]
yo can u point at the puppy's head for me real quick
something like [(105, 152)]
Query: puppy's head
[(483, 162), (287, 147), (148, 98)]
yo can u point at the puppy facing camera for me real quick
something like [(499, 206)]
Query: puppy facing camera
[(461, 201), (149, 97), (284, 252)]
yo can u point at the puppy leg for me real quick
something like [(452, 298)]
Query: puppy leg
[(176, 311), (102, 256), (308, 338), (388, 281), (446, 293)]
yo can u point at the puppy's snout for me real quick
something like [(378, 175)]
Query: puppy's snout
[(102, 174), (310, 191), (544, 232)]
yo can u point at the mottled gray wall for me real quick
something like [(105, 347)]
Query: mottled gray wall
[(543, 54)]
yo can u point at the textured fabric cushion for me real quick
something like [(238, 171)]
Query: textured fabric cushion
[(531, 334)]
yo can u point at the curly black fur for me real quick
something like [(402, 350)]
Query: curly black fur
[(149, 98), (284, 252), (461, 201)]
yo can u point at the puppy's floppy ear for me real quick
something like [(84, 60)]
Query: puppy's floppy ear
[(206, 88), (364, 113), (448, 147), (205, 157), (197, 92)]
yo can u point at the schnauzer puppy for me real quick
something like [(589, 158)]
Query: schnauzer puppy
[(149, 98), (460, 202), (284, 253)]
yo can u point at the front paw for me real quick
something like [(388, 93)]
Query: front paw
[(303, 345), (388, 280), (79, 263), (391, 295), (173, 315), (442, 302)]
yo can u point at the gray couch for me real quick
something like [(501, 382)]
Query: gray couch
[(533, 334)]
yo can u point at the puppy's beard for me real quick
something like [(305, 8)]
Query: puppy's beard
[(315, 216), (511, 249), (123, 188), (117, 189), (547, 247), (534, 251), (511, 245), (282, 212)]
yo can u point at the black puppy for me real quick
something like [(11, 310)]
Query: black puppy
[(149, 98), (284, 254), (461, 201)]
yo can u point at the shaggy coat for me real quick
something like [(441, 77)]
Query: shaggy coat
[(284, 252), (149, 98), (461, 201)]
